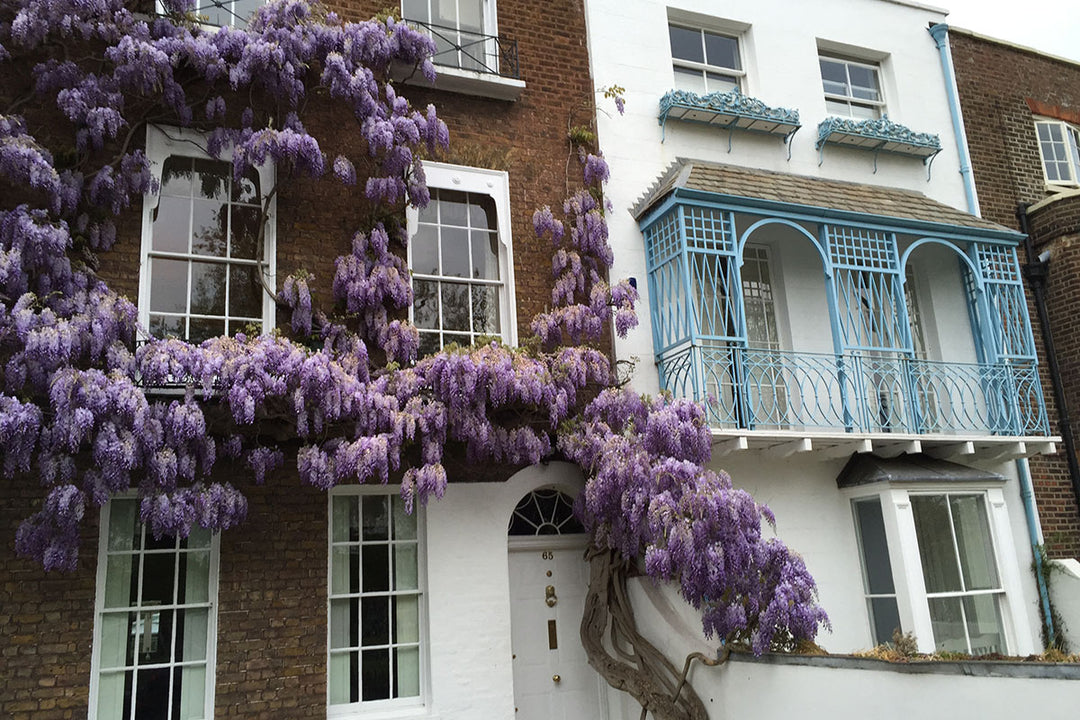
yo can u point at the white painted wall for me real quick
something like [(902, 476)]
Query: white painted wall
[(469, 592), (629, 46), (1065, 594)]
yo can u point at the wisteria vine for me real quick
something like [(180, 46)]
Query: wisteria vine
[(94, 407)]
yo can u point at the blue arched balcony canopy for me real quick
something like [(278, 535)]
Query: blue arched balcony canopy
[(872, 373)]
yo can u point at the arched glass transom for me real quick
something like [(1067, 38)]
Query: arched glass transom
[(544, 512)]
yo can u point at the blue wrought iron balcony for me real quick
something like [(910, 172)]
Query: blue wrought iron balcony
[(789, 303), (472, 50), (745, 388)]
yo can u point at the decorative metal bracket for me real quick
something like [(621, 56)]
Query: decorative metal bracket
[(878, 135), (729, 111)]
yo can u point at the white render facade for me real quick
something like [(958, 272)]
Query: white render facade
[(786, 309)]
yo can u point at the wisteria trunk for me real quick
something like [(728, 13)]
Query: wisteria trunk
[(627, 661)]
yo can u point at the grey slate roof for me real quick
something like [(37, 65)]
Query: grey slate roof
[(806, 191), (866, 468)]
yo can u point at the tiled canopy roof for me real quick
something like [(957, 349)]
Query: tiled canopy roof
[(811, 192)]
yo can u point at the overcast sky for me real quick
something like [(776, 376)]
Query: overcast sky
[(1052, 26)]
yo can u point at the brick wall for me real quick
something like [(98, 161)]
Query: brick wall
[(271, 650), (999, 85)]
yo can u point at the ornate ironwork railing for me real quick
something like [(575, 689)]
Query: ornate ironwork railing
[(857, 392), (472, 50)]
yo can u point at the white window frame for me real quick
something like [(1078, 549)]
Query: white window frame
[(480, 181), (161, 143), (99, 608), (396, 707), (704, 67), (905, 559), (878, 106), (1071, 140)]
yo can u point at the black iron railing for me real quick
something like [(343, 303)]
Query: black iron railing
[(472, 50)]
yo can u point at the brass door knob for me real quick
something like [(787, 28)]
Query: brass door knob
[(549, 596), (556, 678)]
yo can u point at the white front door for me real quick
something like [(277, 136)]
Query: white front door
[(552, 677)]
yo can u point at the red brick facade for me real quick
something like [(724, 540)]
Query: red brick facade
[(272, 599), (1002, 89)]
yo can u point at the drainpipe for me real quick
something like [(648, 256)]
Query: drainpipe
[(1027, 495), (940, 33), (1035, 274)]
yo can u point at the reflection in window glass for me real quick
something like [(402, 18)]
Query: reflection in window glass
[(457, 282), (204, 275)]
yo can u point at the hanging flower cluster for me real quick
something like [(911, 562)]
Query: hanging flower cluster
[(342, 391)]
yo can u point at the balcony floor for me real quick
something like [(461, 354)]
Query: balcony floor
[(825, 445)]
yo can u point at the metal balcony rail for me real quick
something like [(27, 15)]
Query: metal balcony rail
[(759, 389), (471, 50)]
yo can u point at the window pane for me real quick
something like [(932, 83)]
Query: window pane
[(974, 543), (342, 626), (208, 288), (470, 15), (405, 567), (404, 523), (884, 618), (485, 255), (341, 675), (124, 527), (875, 548), (834, 75), (429, 344), (455, 252), (984, 624), (375, 616), (425, 250), (376, 509), (864, 82), (482, 212), (426, 304), (692, 80), (192, 692), (157, 581), (198, 538), (415, 10), (453, 208), (196, 587), (455, 306), (117, 644), (152, 695), (155, 637), (407, 672), (191, 634), (406, 619), (935, 543), (211, 179), (862, 112), (247, 189), (346, 523), (686, 44), (343, 560), (112, 694), (376, 568), (720, 83), (209, 223), (485, 310), (245, 232), (375, 679), (161, 326), (168, 285), (176, 176), (200, 329), (171, 224), (722, 51), (245, 292), (947, 623)]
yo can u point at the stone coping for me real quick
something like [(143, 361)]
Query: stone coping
[(969, 668)]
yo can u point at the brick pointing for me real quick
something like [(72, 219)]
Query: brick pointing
[(271, 653), (999, 86)]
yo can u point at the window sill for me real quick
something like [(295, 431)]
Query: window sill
[(357, 710), (467, 82)]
